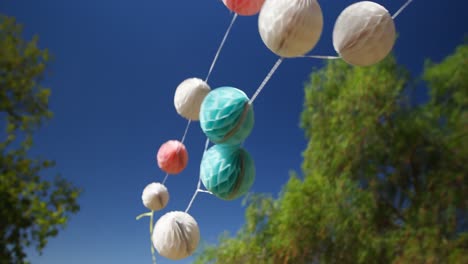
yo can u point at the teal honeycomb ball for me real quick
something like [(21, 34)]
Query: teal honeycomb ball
[(226, 116), (227, 171)]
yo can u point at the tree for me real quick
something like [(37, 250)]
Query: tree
[(385, 179), (32, 209)]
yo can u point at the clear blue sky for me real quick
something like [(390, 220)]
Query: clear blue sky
[(117, 64)]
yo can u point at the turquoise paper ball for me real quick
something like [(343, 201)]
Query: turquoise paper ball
[(226, 117), (227, 171)]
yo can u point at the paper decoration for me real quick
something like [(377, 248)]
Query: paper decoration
[(244, 7), (172, 157), (290, 28), (188, 97), (155, 196), (227, 171), (364, 33), (176, 235), (226, 116)]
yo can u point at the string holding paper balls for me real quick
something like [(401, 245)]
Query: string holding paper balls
[(155, 196), (290, 28), (227, 171), (176, 235), (172, 157), (244, 7), (364, 33), (226, 116), (188, 97)]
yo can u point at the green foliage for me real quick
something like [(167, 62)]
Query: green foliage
[(385, 181), (31, 209)]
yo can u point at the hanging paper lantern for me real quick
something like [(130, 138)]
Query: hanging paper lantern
[(172, 157), (188, 97), (290, 28), (155, 196), (226, 116), (227, 171), (364, 33), (176, 235), (244, 7)]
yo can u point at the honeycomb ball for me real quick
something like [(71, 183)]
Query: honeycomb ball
[(290, 28), (226, 116), (364, 33), (244, 7), (188, 97), (176, 235), (155, 196), (172, 157), (227, 171)]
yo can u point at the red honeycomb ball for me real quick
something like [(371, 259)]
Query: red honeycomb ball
[(172, 157), (244, 7)]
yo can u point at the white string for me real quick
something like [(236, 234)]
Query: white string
[(213, 63), (257, 92), (267, 78), (220, 47), (178, 149), (165, 178), (199, 181), (402, 8), (320, 57), (193, 197), (207, 77), (185, 132), (206, 80), (204, 191)]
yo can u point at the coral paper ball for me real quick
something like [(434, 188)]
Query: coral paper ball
[(176, 235), (226, 117), (244, 7), (188, 97), (172, 157), (227, 171), (364, 33), (290, 28)]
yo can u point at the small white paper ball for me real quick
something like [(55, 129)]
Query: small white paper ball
[(189, 96), (155, 196), (364, 33), (290, 28), (176, 235)]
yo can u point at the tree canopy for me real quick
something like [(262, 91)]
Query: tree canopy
[(385, 179), (32, 208)]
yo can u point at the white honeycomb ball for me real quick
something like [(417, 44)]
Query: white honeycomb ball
[(176, 235), (364, 33), (155, 196), (189, 96), (290, 28)]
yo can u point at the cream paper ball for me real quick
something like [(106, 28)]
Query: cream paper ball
[(176, 235), (188, 97), (290, 28), (364, 33), (155, 196)]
